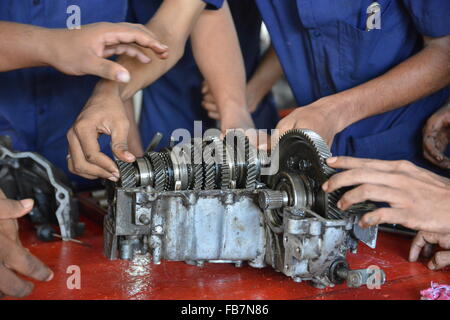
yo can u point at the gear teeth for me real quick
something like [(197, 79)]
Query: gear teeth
[(158, 167), (209, 166), (168, 178), (197, 165), (252, 173), (127, 174), (225, 168), (323, 152)]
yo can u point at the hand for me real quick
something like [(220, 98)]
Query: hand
[(436, 137), (13, 256), (419, 199), (209, 103), (84, 51), (424, 242), (318, 117), (104, 113)]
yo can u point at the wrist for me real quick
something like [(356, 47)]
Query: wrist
[(46, 48), (338, 109)]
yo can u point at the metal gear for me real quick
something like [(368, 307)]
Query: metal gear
[(160, 172), (304, 152), (209, 164), (197, 165), (127, 174)]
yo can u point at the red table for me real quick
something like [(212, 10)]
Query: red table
[(104, 279)]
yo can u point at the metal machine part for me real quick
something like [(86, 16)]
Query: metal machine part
[(208, 202), (30, 175)]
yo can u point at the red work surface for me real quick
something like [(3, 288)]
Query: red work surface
[(104, 279)]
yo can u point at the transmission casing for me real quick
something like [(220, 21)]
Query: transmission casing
[(284, 220)]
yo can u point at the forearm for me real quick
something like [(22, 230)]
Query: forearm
[(22, 46), (267, 74), (417, 77), (216, 50), (171, 28), (134, 138)]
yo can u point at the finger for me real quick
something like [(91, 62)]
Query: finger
[(119, 142), (210, 106), (361, 176), (136, 34), (364, 192), (72, 169), (384, 215), (429, 143), (214, 115), (108, 69), (12, 285), (440, 260), (209, 98), (83, 167), (205, 88), (419, 243), (88, 139), (126, 49), (12, 209)]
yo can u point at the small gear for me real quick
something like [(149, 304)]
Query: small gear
[(168, 175), (252, 168), (209, 164), (160, 173), (127, 174), (197, 165), (225, 172)]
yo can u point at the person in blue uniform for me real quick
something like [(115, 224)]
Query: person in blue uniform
[(367, 74), (218, 56), (38, 105), (174, 101)]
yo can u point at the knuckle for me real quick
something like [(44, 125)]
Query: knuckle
[(22, 290)]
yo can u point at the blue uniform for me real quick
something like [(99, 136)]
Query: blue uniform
[(324, 49), (174, 100), (39, 105)]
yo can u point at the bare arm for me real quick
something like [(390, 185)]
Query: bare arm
[(216, 49), (76, 52), (105, 114), (267, 74)]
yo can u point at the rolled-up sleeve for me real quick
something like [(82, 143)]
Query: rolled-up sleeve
[(431, 17), (214, 4)]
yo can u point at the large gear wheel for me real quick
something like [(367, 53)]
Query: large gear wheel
[(303, 152)]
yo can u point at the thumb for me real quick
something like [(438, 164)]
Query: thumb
[(110, 70), (12, 209), (119, 142)]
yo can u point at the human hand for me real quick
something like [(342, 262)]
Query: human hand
[(319, 117), (84, 51), (424, 242), (210, 105), (419, 199), (14, 258), (436, 137), (104, 113)]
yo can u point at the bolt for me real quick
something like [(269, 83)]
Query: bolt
[(286, 267), (297, 279), (144, 219), (158, 229), (286, 239), (297, 249)]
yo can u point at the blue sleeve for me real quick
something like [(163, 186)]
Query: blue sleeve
[(213, 4), (431, 17)]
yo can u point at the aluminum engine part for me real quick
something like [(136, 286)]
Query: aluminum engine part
[(285, 220)]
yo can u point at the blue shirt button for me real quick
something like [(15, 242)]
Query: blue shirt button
[(317, 34)]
